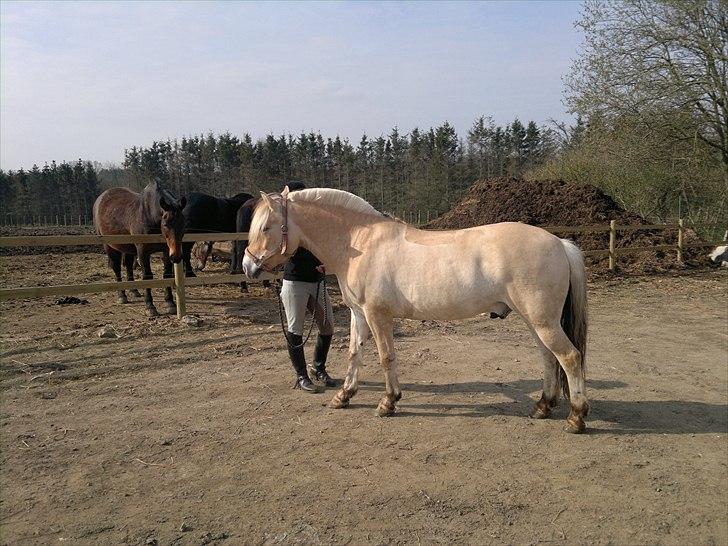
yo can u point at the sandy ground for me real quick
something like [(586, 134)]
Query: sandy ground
[(171, 434)]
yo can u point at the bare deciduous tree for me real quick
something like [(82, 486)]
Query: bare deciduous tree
[(664, 62)]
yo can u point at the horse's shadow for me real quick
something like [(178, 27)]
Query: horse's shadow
[(625, 416)]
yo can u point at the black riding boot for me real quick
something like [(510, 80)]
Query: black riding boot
[(298, 359), (317, 371)]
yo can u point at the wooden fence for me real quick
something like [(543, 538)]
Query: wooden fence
[(180, 282)]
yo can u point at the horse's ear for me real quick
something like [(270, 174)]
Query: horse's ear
[(725, 237), (285, 191), (163, 204), (182, 202), (267, 200)]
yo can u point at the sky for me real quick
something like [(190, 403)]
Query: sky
[(88, 80)]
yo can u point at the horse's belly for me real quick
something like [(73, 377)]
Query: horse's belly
[(453, 302)]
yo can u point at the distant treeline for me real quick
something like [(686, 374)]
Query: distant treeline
[(52, 191), (421, 170)]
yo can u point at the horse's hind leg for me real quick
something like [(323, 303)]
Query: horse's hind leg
[(554, 338), (168, 274), (115, 264), (550, 396), (382, 329), (129, 265), (359, 332)]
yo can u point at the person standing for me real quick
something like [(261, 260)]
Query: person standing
[(303, 288)]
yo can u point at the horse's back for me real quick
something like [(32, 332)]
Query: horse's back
[(459, 273), (205, 212), (113, 210)]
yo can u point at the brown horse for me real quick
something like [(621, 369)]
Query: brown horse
[(121, 211)]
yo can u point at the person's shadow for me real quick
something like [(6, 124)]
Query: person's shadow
[(629, 417)]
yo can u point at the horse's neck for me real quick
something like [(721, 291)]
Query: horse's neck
[(327, 235), (149, 205)]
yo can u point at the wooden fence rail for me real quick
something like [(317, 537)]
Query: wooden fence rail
[(179, 282)]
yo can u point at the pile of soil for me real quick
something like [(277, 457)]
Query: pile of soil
[(558, 203), (27, 231)]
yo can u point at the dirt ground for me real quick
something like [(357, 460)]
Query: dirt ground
[(172, 434)]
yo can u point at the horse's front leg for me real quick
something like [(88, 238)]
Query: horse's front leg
[(382, 327), (145, 260), (359, 333), (168, 274)]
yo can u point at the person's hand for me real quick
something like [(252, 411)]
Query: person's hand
[(321, 269)]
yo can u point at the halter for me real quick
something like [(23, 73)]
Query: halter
[(283, 247)]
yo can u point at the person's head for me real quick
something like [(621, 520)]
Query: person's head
[(295, 185)]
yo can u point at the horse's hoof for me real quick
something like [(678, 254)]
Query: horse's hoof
[(575, 427), (539, 413), (134, 292), (122, 299), (341, 399), (336, 403), (383, 411), (152, 312), (385, 408)]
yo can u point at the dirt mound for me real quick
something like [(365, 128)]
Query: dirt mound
[(559, 203)]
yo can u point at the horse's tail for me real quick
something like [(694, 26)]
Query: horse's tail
[(574, 316)]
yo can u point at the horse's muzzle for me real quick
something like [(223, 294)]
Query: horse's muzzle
[(176, 258), (250, 268)]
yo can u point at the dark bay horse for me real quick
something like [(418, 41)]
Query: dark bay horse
[(208, 214), (121, 211)]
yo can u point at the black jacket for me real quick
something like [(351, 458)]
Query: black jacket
[(302, 267)]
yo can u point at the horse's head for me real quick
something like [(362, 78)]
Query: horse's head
[(200, 253), (172, 224), (273, 237)]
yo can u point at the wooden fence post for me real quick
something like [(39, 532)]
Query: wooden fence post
[(612, 242), (179, 288), (680, 235)]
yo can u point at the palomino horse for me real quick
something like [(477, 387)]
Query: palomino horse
[(242, 225), (121, 211), (387, 269)]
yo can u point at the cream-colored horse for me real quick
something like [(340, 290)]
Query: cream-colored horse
[(387, 269)]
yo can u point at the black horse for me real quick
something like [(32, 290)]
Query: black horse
[(207, 214)]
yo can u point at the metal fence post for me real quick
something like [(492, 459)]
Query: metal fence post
[(179, 288), (612, 243), (680, 236)]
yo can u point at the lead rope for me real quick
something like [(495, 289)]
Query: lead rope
[(313, 315)]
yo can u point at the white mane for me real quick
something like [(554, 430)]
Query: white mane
[(334, 198)]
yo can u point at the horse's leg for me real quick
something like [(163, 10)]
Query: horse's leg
[(554, 338), (145, 260), (359, 333), (129, 265), (187, 258), (382, 328), (168, 274), (550, 396), (115, 263)]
